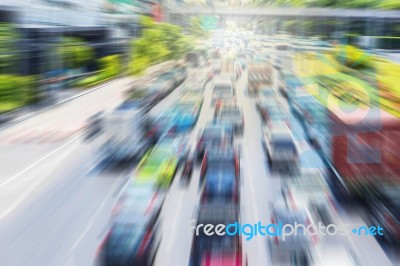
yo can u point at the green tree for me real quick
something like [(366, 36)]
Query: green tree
[(196, 28), (174, 40), (383, 4), (8, 53), (389, 4), (75, 52), (158, 42)]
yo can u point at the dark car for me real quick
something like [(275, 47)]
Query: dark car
[(133, 238), (216, 249), (221, 184), (94, 125), (384, 211), (213, 134), (282, 249), (187, 171), (224, 157), (233, 116), (272, 112)]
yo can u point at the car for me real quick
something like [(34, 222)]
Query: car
[(187, 169), (192, 107), (266, 93), (128, 134), (224, 85), (94, 125), (198, 81), (211, 74), (221, 184), (219, 97), (223, 156), (224, 104), (295, 245), (159, 165), (165, 82), (140, 94), (193, 98), (233, 116), (178, 119), (280, 148), (213, 134), (173, 77), (134, 235), (384, 211), (215, 66), (215, 249), (271, 112), (134, 199), (238, 71), (309, 189)]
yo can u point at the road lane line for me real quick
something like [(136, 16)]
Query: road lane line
[(23, 196), (89, 225), (38, 161)]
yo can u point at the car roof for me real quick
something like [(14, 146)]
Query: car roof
[(135, 203), (222, 82), (218, 212)]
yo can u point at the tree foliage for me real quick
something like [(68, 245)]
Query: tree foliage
[(159, 42), (383, 4), (110, 66), (17, 91), (75, 52), (8, 52), (196, 28)]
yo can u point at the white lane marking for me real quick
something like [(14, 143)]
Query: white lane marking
[(38, 161), (89, 225), (26, 193)]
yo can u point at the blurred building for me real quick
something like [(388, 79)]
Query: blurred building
[(107, 26)]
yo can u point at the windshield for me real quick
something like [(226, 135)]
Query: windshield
[(283, 144), (223, 88), (231, 114)]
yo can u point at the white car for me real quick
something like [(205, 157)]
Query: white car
[(280, 147), (310, 190)]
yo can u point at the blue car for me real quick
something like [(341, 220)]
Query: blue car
[(220, 184), (175, 121)]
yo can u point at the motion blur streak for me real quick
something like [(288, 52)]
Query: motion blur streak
[(124, 124)]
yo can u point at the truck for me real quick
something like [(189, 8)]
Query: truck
[(127, 132), (358, 146), (260, 75)]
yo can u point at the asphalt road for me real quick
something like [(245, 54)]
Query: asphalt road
[(55, 200)]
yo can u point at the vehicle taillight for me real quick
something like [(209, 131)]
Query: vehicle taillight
[(151, 204), (391, 224), (101, 246), (152, 131), (144, 243), (314, 237), (203, 195), (291, 199), (237, 167), (199, 143), (117, 208), (172, 131), (331, 201), (203, 165), (276, 240), (235, 194)]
